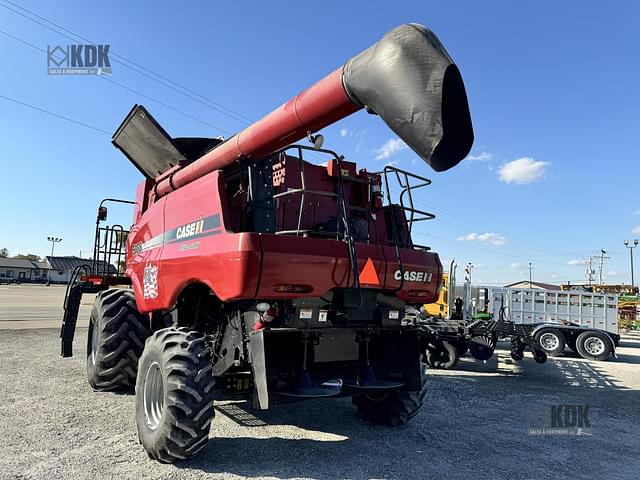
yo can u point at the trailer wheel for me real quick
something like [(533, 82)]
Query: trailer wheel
[(174, 394), (551, 340), (392, 408), (593, 345), (444, 355), (117, 332)]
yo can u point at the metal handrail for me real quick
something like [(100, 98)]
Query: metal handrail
[(341, 215), (406, 190)]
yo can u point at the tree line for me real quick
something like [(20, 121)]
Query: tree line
[(4, 253)]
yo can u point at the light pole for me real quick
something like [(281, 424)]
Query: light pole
[(469, 268), (530, 268), (53, 241), (631, 247)]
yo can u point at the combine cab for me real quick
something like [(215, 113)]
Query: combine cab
[(256, 273)]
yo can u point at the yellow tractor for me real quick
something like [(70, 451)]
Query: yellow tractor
[(440, 308)]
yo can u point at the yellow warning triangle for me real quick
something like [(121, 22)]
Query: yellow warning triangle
[(368, 275)]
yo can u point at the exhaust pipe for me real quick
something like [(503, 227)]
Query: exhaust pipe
[(407, 78)]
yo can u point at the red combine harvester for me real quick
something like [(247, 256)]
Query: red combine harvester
[(258, 274)]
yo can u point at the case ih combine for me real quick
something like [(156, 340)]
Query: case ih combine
[(258, 274)]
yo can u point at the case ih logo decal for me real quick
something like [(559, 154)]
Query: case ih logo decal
[(190, 229), (150, 281), (202, 227), (413, 276)]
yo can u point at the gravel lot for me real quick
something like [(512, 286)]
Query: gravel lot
[(474, 425)]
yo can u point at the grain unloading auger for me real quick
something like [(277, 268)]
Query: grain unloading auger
[(407, 78), (256, 273)]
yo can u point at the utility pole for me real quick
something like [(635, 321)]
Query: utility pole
[(602, 258), (530, 268), (590, 271), (635, 244), (468, 271)]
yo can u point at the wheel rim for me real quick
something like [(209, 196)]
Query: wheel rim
[(594, 346), (549, 341), (95, 341), (153, 396)]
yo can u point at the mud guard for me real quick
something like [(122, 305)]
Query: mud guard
[(259, 367)]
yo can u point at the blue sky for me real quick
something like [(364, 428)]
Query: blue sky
[(552, 86)]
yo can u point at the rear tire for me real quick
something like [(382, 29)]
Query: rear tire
[(174, 395), (394, 408), (593, 345), (551, 340), (117, 332)]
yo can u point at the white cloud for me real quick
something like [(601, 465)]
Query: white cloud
[(489, 238), (390, 147), (522, 170), (481, 157), (636, 231), (344, 132), (515, 265), (576, 262), (612, 273)]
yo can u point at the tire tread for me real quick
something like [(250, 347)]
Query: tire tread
[(189, 409), (123, 331)]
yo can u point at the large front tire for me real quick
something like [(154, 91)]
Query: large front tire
[(174, 395), (117, 332), (393, 408)]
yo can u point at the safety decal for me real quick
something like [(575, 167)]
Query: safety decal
[(368, 275), (150, 281)]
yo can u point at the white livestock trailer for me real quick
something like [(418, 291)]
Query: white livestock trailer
[(585, 322)]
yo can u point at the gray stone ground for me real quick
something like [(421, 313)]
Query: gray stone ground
[(474, 424)]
